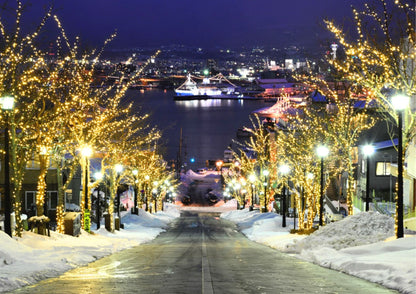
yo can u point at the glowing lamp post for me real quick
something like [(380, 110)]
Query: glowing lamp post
[(284, 170), (322, 152), (219, 165), (400, 103), (98, 177), (368, 150), (7, 104)]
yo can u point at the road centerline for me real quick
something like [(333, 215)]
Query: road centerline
[(206, 273)]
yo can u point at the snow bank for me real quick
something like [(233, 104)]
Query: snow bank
[(362, 245), (360, 229), (27, 260)]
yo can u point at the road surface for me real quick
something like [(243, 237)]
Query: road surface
[(201, 253)]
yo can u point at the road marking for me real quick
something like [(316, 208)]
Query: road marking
[(206, 273)]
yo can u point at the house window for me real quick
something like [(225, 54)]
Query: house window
[(383, 168), (34, 163), (52, 199), (30, 199)]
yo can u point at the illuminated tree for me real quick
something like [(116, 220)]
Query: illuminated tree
[(126, 137), (263, 146), (341, 123), (87, 113), (381, 57), (22, 75), (298, 144)]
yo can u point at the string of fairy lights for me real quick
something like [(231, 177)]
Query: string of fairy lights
[(58, 110), (368, 69)]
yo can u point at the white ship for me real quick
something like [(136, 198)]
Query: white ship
[(215, 87)]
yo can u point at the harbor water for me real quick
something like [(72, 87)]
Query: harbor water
[(208, 126)]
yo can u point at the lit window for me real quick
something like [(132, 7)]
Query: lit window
[(383, 168)]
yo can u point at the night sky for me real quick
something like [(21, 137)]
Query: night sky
[(194, 22)]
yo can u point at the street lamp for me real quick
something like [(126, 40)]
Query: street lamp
[(400, 103), (98, 176), (219, 165), (368, 150), (7, 104), (265, 184), (284, 170), (252, 179), (322, 152)]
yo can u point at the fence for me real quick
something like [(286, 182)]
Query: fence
[(383, 207)]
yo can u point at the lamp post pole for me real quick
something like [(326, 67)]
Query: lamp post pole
[(284, 206), (146, 192), (7, 103), (322, 151), (252, 179), (321, 198), (284, 170), (265, 184), (368, 151), (7, 198), (367, 186), (252, 198), (400, 232), (118, 169), (98, 207), (400, 103), (135, 209), (86, 182), (98, 176)]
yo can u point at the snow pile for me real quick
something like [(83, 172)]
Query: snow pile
[(27, 260), (362, 245), (360, 229), (390, 263)]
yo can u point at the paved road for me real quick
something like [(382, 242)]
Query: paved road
[(201, 253)]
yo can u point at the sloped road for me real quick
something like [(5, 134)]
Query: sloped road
[(201, 253)]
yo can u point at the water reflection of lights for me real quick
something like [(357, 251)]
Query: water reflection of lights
[(110, 270), (206, 103)]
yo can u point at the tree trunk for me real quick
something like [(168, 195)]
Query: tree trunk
[(41, 189)]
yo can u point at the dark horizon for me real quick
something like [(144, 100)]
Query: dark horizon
[(217, 23)]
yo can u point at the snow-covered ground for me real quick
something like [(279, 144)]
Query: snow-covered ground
[(362, 245), (27, 260)]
